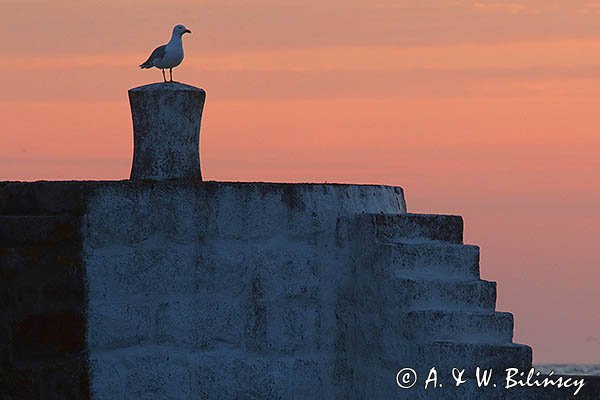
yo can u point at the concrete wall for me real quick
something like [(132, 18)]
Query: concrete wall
[(123, 290), (221, 290)]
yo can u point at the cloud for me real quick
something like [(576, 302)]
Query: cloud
[(589, 9), (109, 83), (568, 53), (66, 27), (512, 8)]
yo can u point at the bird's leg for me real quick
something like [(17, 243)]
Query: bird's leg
[(171, 73), (163, 72)]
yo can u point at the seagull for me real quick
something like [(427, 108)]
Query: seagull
[(168, 55)]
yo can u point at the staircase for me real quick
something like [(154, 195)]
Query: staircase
[(421, 301)]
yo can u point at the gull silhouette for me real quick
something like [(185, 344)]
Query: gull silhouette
[(169, 55)]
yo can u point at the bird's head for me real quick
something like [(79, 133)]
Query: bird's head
[(180, 30)]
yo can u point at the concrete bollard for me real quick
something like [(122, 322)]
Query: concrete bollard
[(166, 131)]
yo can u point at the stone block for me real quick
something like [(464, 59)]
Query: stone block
[(289, 272), (48, 334), (282, 327), (158, 375), (19, 383), (27, 230), (223, 266), (43, 198), (235, 376), (42, 278), (65, 378), (114, 275), (108, 371), (134, 214), (201, 322), (116, 325), (142, 372)]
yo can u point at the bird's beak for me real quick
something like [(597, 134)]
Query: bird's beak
[(187, 31)]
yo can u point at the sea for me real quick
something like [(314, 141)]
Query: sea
[(569, 369)]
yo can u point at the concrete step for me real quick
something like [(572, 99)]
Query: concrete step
[(459, 326), (415, 227), (430, 259), (440, 295), (446, 355), (47, 229)]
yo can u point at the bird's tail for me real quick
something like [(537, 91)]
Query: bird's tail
[(146, 65)]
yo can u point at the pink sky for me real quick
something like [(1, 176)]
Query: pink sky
[(487, 109)]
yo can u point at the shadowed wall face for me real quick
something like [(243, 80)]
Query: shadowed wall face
[(43, 352)]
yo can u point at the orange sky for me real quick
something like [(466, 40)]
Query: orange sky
[(488, 109)]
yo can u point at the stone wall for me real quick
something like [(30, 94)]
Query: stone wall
[(173, 290), (220, 290)]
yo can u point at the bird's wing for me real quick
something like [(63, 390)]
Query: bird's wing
[(158, 53)]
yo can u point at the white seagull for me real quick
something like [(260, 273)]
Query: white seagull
[(168, 55)]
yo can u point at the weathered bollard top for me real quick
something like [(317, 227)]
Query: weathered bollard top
[(166, 131)]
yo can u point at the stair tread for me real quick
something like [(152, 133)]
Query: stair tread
[(473, 343), (417, 227), (444, 354), (427, 243), (410, 215), (431, 293), (459, 312), (429, 260), (398, 276), (470, 344)]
